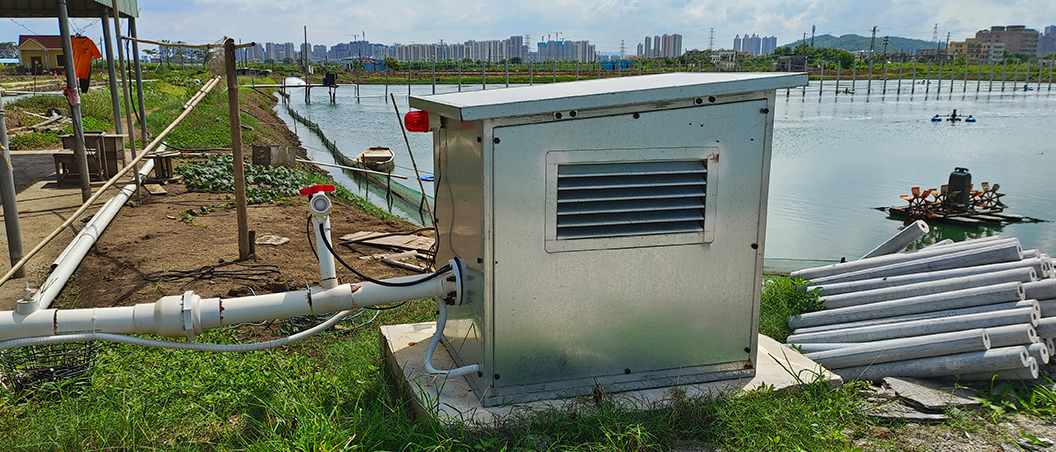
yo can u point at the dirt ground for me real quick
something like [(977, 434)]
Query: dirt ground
[(153, 237)]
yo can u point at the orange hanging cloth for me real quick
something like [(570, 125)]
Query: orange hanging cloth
[(83, 52)]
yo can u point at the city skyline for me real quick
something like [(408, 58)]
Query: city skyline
[(605, 23)]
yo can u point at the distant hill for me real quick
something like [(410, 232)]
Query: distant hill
[(854, 43)]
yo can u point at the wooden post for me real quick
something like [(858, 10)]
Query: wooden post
[(236, 151)]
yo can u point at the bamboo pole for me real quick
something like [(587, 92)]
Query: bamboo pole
[(244, 250), (127, 94), (108, 184)]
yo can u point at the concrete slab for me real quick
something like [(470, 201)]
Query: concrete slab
[(932, 396), (452, 401), (42, 207)]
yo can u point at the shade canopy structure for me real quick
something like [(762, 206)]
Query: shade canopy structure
[(74, 8)]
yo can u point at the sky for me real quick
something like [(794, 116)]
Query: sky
[(605, 23)]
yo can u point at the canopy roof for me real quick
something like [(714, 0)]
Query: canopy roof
[(75, 8)]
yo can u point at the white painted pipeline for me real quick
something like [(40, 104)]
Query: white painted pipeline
[(1040, 352), (110, 337), (1043, 268), (1023, 275), (880, 261), (65, 251), (903, 349), (1020, 316), (1041, 290), (188, 315), (992, 360), (1030, 372), (1047, 328), (441, 323), (1033, 304), (1031, 254), (1051, 345), (976, 296), (74, 253), (901, 240), (319, 204), (1012, 335), (956, 259)]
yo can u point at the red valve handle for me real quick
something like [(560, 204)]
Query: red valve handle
[(316, 189)]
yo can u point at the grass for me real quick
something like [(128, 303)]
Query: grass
[(332, 393)]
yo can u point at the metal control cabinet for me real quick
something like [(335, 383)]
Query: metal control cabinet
[(612, 229)]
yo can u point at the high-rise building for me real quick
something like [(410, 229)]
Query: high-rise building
[(769, 45), (1047, 42), (752, 45), (318, 52), (1016, 38), (271, 51), (515, 47), (289, 51), (648, 47), (737, 43)]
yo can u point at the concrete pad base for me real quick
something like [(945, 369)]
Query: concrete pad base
[(452, 401)]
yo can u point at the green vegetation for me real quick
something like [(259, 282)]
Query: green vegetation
[(331, 392), (214, 173)]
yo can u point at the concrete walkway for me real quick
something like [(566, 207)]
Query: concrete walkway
[(43, 206)]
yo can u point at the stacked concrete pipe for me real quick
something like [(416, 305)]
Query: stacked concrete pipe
[(979, 309)]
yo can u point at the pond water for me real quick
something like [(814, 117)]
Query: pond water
[(836, 157)]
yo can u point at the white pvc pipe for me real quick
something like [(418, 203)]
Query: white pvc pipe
[(1023, 275), (1043, 268), (1024, 316), (1041, 290), (83, 242), (1040, 352), (188, 315), (1012, 335), (879, 261), (976, 296), (955, 259), (901, 240), (994, 359), (903, 349), (1033, 304), (1028, 372), (441, 323)]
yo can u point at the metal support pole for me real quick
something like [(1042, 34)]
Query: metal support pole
[(484, 75), (938, 89), (837, 77), (130, 152), (434, 75), (506, 68), (115, 96), (236, 151), (9, 198), (80, 157), (898, 87), (139, 80), (979, 77), (991, 89), (460, 76), (884, 91)]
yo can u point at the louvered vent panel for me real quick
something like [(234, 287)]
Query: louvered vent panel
[(630, 199)]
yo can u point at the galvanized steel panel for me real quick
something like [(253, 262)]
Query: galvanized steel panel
[(600, 93), (568, 316)]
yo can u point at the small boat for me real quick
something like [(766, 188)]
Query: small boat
[(378, 158), (936, 118), (969, 119)]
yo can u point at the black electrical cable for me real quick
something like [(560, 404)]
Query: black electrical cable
[(439, 272), (248, 272), (308, 232)]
